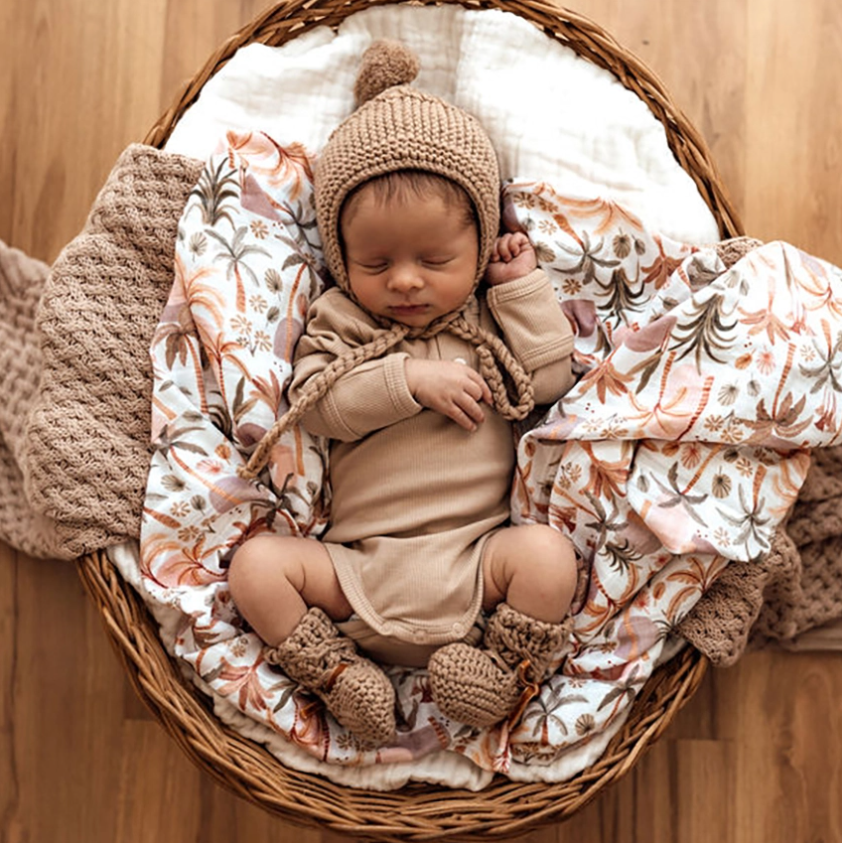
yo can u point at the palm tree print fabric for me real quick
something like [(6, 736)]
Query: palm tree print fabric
[(681, 448)]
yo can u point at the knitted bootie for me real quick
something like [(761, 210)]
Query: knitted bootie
[(356, 692), (481, 687)]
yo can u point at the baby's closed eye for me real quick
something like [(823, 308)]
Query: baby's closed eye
[(373, 266), (437, 260)]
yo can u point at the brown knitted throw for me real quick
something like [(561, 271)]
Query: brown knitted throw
[(75, 376), (21, 285), (795, 588)]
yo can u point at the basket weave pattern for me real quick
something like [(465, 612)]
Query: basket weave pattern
[(417, 812)]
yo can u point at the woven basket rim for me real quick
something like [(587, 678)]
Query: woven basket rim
[(416, 812)]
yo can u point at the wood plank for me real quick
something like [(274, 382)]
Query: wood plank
[(793, 124)]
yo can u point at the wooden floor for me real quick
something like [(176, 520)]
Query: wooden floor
[(756, 756)]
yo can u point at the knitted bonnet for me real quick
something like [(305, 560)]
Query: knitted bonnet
[(397, 127)]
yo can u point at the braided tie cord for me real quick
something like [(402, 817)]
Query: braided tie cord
[(490, 350)]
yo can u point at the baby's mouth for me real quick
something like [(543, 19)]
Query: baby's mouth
[(404, 309)]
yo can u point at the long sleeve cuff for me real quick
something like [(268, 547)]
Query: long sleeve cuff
[(372, 396), (530, 316)]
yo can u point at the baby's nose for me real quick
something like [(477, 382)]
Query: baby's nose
[(405, 277)]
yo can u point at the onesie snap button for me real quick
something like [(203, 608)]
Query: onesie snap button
[(458, 628)]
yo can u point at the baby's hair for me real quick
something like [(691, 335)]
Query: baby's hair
[(405, 185)]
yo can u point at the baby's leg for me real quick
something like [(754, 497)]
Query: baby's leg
[(533, 569), (286, 588), (274, 580), (530, 579)]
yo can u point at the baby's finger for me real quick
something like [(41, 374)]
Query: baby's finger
[(485, 391), (471, 408), (462, 418), (503, 248), (519, 240)]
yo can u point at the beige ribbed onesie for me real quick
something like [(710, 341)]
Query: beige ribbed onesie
[(414, 494)]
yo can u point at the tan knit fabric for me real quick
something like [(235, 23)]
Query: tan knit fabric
[(720, 624), (481, 687), (385, 64), (77, 394), (356, 692), (813, 594), (730, 251), (21, 284)]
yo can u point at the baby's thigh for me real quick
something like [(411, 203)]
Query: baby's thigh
[(266, 567), (529, 554)]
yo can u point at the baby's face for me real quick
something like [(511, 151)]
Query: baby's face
[(410, 260)]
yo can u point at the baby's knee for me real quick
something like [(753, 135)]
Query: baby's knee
[(536, 555), (257, 564), (548, 557), (542, 542)]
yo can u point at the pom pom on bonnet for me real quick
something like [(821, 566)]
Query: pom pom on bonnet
[(398, 127), (385, 64)]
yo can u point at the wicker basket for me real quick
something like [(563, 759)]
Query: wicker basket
[(417, 812)]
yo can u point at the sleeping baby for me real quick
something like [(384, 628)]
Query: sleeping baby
[(437, 336)]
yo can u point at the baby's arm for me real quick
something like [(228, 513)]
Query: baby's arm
[(370, 396), (526, 309), (380, 392)]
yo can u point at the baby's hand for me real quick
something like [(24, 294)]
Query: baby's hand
[(513, 257), (450, 388)]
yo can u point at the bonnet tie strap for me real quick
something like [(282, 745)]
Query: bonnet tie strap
[(491, 350)]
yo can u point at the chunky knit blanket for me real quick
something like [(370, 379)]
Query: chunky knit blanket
[(75, 393), (75, 375), (795, 588)]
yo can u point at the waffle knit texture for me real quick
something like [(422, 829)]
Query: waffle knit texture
[(76, 382), (730, 251), (21, 285), (481, 687), (356, 692)]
